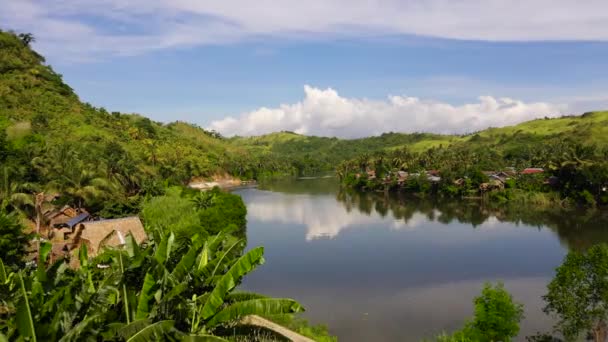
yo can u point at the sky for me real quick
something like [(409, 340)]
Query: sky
[(346, 68)]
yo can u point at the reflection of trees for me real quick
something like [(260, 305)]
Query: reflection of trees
[(316, 186), (576, 229)]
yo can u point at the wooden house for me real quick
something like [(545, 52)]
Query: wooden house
[(58, 217)]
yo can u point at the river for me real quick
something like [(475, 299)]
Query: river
[(387, 268)]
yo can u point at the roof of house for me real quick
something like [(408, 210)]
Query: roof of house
[(116, 231), (498, 177), (434, 179), (66, 209), (531, 170), (76, 220)]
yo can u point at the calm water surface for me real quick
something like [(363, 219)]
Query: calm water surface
[(377, 268)]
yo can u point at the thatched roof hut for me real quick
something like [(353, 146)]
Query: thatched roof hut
[(110, 232)]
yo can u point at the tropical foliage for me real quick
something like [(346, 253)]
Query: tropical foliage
[(168, 287), (578, 295), (572, 172), (13, 240), (496, 317)]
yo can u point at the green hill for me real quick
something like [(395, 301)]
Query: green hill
[(325, 153), (47, 132), (41, 114)]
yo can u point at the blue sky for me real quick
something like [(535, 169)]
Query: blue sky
[(399, 65)]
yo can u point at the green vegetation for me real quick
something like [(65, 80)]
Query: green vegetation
[(180, 283), (13, 240), (168, 288), (569, 172), (496, 318), (578, 295)]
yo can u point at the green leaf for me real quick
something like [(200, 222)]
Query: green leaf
[(43, 254), (216, 241), (202, 338), (243, 296), (228, 281), (3, 276), (203, 258), (132, 246), (25, 322), (146, 294), (153, 332), (83, 255), (164, 248), (186, 262), (262, 307), (212, 267), (126, 331), (75, 334)]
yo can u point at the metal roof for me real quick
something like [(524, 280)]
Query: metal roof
[(76, 220)]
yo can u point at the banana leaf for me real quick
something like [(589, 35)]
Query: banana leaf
[(163, 251), (202, 338), (262, 307), (153, 332), (228, 281), (25, 322), (146, 294)]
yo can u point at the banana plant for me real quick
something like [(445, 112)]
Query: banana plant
[(182, 289)]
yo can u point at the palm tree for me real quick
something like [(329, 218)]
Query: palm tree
[(85, 186)]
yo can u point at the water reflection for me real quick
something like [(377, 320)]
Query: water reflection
[(388, 268), (576, 229), (326, 210)]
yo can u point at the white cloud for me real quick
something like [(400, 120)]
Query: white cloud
[(324, 217), (326, 113), (89, 28)]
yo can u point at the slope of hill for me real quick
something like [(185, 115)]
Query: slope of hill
[(325, 153), (42, 114), (45, 127)]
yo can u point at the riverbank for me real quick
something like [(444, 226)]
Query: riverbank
[(225, 182)]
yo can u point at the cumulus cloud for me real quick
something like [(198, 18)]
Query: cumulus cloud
[(324, 112), (90, 28), (324, 217)]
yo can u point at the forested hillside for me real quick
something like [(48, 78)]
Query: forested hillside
[(104, 161), (49, 136), (587, 129)]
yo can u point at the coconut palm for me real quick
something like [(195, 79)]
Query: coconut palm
[(85, 186)]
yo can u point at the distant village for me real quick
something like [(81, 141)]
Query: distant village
[(497, 179)]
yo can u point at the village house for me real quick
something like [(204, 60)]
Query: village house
[(95, 235), (111, 232), (500, 176), (57, 217), (60, 232), (532, 170)]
